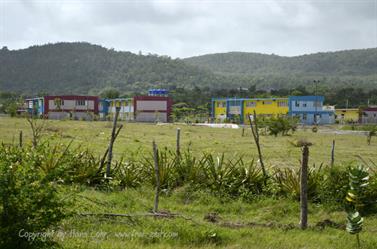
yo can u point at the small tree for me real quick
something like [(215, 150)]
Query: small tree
[(37, 126)]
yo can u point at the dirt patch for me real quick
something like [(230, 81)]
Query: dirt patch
[(212, 217), (329, 223)]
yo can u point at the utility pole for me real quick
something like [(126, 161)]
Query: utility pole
[(316, 101)]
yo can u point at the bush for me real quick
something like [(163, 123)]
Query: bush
[(29, 201), (281, 125)]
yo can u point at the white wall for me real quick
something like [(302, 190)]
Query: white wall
[(157, 105), (151, 117)]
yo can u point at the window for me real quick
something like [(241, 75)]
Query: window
[(81, 102), (220, 104), (267, 102), (58, 102), (250, 104), (297, 104), (317, 103), (304, 116), (304, 105), (234, 102), (282, 103)]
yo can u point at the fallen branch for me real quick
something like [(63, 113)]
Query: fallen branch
[(162, 215)]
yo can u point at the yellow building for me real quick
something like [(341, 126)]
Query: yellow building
[(240, 109), (347, 115), (125, 105)]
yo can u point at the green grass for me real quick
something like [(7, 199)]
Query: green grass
[(138, 137), (279, 217), (197, 232)]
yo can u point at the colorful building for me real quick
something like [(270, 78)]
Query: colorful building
[(35, 106), (126, 108), (64, 107), (157, 106), (347, 115), (310, 110), (369, 115), (103, 109), (241, 108), (152, 108)]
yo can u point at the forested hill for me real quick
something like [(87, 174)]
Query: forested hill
[(82, 68), (85, 68), (349, 62), (337, 69)]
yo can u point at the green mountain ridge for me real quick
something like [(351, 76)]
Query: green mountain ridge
[(83, 68), (348, 62)]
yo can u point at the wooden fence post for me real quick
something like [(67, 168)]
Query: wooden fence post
[(304, 188), (178, 141), (20, 139), (157, 173), (110, 154), (102, 162), (243, 131), (255, 133), (333, 153)]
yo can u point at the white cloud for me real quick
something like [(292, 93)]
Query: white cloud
[(188, 28)]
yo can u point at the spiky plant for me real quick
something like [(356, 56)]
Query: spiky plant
[(358, 181)]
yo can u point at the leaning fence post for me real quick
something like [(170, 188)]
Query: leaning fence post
[(304, 188), (110, 154), (333, 153), (157, 173), (178, 141), (20, 139), (255, 132)]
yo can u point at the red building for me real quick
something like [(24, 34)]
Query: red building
[(71, 107), (369, 115), (152, 108)]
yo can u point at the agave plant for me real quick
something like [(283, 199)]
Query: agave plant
[(188, 169), (166, 163), (288, 181), (218, 173), (358, 181)]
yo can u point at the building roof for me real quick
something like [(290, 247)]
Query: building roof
[(248, 99), (347, 109), (307, 98), (370, 109), (118, 99)]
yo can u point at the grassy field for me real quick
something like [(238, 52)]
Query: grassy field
[(261, 222), (277, 151)]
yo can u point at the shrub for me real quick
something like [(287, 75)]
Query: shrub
[(281, 125), (29, 201)]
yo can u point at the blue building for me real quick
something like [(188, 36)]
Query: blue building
[(35, 106), (310, 110), (103, 108)]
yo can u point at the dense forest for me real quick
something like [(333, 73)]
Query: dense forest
[(334, 69), (83, 68)]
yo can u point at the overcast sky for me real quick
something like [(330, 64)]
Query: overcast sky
[(189, 28)]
